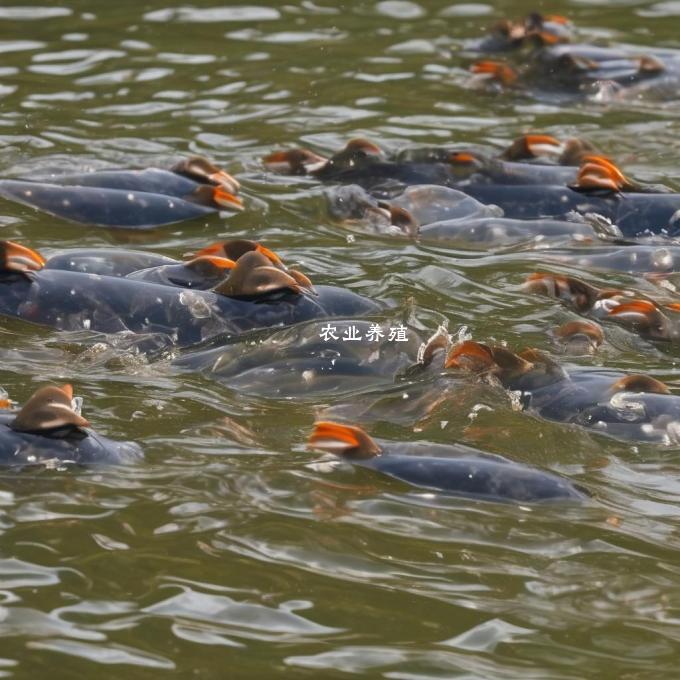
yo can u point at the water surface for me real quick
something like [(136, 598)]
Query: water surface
[(227, 553)]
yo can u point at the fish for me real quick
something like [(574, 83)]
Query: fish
[(47, 429), (452, 469), (255, 294), (626, 406), (549, 62), (345, 356), (644, 317), (130, 199), (600, 188), (442, 215), (105, 261)]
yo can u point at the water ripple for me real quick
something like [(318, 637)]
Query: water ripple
[(231, 534)]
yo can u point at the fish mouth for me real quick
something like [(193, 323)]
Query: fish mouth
[(18, 258), (225, 199), (226, 181)]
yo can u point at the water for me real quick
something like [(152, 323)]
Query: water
[(228, 553)]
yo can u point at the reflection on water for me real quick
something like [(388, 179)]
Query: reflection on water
[(233, 547)]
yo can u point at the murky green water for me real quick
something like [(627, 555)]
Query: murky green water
[(226, 554)]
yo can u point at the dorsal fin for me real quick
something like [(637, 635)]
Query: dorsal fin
[(235, 248), (587, 328), (638, 306), (210, 265), (402, 218), (640, 383), (515, 31), (579, 293), (255, 275), (577, 63), (347, 441), (17, 258), (539, 28), (598, 172), (478, 358), (531, 146), (302, 279), (357, 152), (468, 158), (575, 150), (295, 162), (649, 64), (539, 362), (203, 170), (623, 183), (644, 314), (363, 145), (535, 356), (509, 363), (557, 19), (470, 356), (595, 178), (48, 409), (496, 70)]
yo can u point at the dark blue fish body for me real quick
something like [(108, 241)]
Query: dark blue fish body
[(104, 207), (106, 261), (464, 471), (178, 274), (149, 180), (530, 202), (563, 398), (371, 173), (507, 172), (631, 258), (633, 213), (580, 64), (75, 301), (83, 447), (595, 399), (299, 362), (503, 231)]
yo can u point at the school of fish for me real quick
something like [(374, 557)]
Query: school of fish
[(539, 189)]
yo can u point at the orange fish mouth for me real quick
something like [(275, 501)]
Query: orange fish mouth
[(19, 258), (226, 181), (225, 199), (347, 441), (328, 435)]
